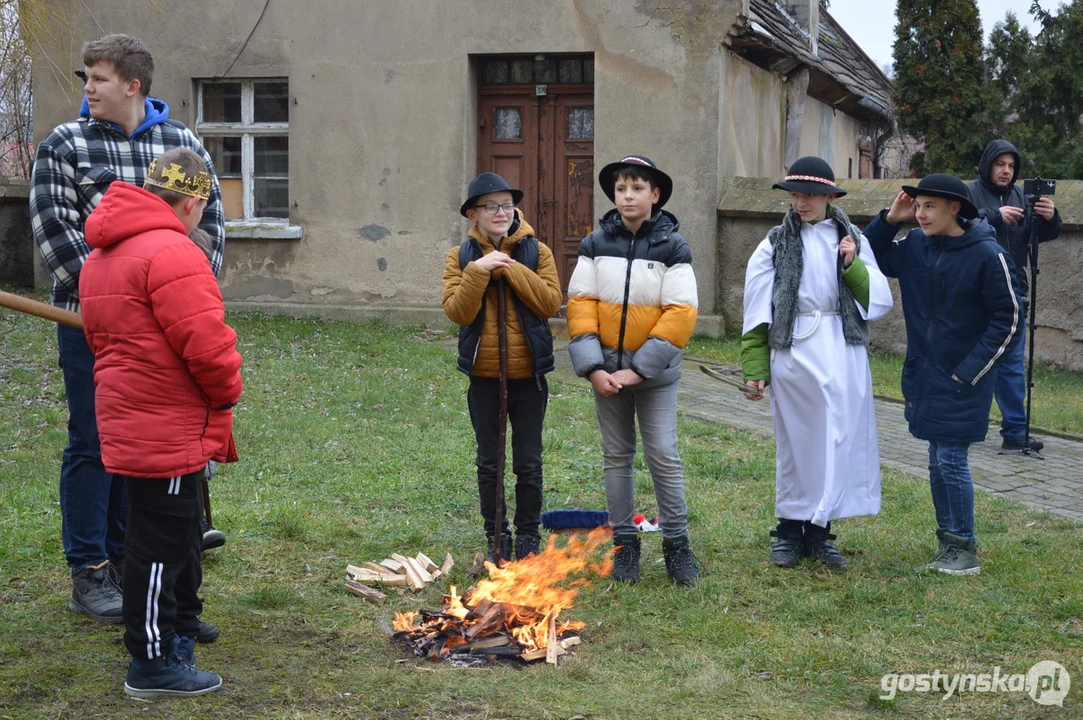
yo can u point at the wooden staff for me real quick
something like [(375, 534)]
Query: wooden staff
[(502, 418), (41, 310)]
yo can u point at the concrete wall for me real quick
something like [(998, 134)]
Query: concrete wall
[(750, 208), (17, 250), (382, 129)]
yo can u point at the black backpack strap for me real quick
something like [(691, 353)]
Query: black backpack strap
[(468, 250), (526, 252)]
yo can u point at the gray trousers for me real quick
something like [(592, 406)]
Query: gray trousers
[(656, 408)]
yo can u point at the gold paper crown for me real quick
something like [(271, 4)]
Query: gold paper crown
[(173, 178)]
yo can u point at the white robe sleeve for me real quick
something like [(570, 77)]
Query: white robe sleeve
[(759, 287), (880, 299)]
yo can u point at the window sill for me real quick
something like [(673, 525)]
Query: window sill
[(263, 231)]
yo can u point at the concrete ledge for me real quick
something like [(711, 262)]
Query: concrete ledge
[(411, 315), (752, 197), (263, 231)]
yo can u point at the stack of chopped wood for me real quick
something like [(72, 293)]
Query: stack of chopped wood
[(415, 573)]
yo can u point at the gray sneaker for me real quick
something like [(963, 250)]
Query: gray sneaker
[(960, 557), (942, 546), (95, 591)]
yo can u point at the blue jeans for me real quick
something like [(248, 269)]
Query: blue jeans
[(93, 505), (1011, 386), (952, 487)]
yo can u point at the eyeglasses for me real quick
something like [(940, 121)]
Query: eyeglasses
[(493, 208)]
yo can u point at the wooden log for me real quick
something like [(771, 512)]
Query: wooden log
[(491, 621), (364, 591), (412, 579), (570, 642), (436, 574), (395, 567), (391, 580), (378, 568), (449, 562), (497, 640), (479, 565), (421, 572), (533, 655), (424, 561)]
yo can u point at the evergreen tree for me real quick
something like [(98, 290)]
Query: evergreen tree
[(1037, 89), (939, 93)]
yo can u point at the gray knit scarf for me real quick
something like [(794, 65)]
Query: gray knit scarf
[(789, 261)]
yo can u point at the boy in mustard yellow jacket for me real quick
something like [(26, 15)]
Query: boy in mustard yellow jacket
[(632, 307), (502, 246)]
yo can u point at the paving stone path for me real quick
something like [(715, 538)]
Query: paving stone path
[(1054, 484)]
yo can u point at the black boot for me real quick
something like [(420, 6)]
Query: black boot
[(786, 550), (211, 538), (626, 559), (818, 545), (681, 565), (526, 544), (95, 591), (505, 548)]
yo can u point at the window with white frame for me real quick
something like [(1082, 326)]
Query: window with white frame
[(244, 125)]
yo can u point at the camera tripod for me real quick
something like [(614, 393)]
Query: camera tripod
[(1032, 252)]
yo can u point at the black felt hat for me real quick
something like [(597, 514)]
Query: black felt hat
[(810, 175), (488, 182), (944, 186), (607, 177)]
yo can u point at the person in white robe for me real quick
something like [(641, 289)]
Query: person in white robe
[(811, 287)]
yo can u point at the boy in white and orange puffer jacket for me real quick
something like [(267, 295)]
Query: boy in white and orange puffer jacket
[(632, 307)]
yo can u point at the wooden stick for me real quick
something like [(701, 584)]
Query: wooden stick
[(502, 422), (364, 591), (412, 579), (378, 568), (392, 565), (424, 561), (449, 562), (41, 310), (421, 572), (711, 372), (553, 650)]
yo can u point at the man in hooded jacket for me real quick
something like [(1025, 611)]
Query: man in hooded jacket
[(1003, 205)]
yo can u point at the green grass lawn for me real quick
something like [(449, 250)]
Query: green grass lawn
[(1057, 404), (355, 443)]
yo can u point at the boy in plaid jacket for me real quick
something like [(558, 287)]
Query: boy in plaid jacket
[(121, 129)]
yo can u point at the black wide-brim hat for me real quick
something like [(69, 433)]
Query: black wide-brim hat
[(810, 175), (944, 186), (488, 182), (607, 177)]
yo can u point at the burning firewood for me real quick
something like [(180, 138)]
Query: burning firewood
[(514, 613)]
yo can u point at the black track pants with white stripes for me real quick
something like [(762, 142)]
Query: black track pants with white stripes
[(162, 571)]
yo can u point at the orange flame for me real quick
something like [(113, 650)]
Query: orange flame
[(542, 586)]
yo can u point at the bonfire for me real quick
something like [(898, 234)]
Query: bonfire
[(515, 613)]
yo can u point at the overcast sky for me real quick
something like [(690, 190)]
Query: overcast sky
[(872, 22)]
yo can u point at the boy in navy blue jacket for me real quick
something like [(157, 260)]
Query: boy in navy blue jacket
[(963, 314)]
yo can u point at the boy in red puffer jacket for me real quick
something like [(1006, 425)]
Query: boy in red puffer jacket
[(166, 373)]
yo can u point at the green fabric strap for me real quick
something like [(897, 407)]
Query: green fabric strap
[(756, 355), (856, 278)]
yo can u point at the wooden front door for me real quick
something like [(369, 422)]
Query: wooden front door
[(544, 145)]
